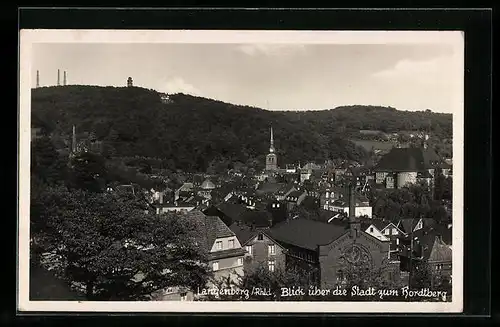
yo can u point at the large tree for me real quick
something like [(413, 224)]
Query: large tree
[(46, 165), (107, 244)]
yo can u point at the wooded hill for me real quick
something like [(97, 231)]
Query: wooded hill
[(193, 133)]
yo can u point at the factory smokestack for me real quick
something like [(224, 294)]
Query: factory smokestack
[(73, 140), (58, 77), (37, 79), (64, 78)]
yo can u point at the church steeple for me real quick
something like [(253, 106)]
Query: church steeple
[(271, 159), (271, 148)]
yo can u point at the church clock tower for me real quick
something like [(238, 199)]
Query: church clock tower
[(271, 158)]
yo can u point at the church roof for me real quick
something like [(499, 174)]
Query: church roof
[(408, 160), (306, 233)]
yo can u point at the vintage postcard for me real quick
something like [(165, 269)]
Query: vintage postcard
[(241, 171)]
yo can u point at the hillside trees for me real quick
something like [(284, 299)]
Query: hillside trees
[(192, 131)]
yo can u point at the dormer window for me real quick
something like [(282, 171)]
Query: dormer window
[(260, 237)]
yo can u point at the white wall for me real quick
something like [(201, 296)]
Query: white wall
[(174, 209), (225, 244), (359, 211), (406, 178)]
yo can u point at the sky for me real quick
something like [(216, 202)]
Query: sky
[(270, 76)]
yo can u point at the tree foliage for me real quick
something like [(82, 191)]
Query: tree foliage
[(414, 201), (109, 246)]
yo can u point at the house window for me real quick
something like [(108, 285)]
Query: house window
[(184, 296), (271, 249), (240, 261), (386, 232), (397, 241), (249, 249), (274, 205), (231, 244), (260, 237), (394, 231), (218, 245), (215, 266), (277, 205), (371, 229), (340, 276), (271, 264)]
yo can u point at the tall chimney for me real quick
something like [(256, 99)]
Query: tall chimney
[(64, 78), (37, 79), (58, 77), (354, 225), (73, 141)]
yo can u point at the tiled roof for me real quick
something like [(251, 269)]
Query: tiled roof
[(269, 188), (210, 228), (257, 217), (233, 211), (285, 188), (305, 233), (243, 233), (380, 223), (407, 160), (226, 254)]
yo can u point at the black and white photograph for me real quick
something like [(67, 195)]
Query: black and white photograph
[(241, 171)]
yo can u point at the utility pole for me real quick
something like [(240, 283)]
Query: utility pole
[(410, 274)]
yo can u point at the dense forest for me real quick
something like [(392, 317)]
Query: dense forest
[(194, 133)]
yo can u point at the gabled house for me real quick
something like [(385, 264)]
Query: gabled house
[(390, 230), (261, 249), (409, 225), (225, 255), (369, 227), (432, 246)]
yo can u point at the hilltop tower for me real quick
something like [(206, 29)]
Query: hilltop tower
[(130, 82), (271, 158)]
